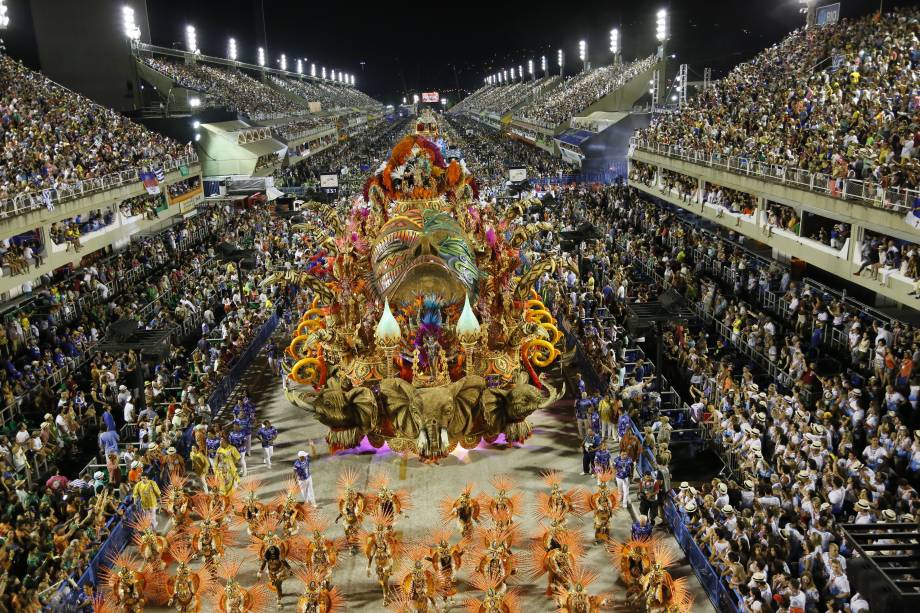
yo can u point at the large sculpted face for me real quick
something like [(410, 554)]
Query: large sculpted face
[(424, 252)]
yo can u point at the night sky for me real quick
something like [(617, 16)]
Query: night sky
[(423, 46)]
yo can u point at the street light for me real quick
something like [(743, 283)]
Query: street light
[(583, 53), (661, 26), (261, 56), (127, 16), (231, 49), (191, 39)]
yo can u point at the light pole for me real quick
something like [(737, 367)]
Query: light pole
[(560, 58), (543, 66), (615, 45), (661, 35), (530, 70), (583, 54)]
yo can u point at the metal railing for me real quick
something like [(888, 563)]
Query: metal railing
[(80, 189), (897, 199)]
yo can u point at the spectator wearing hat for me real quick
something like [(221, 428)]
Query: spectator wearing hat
[(173, 464), (304, 475)]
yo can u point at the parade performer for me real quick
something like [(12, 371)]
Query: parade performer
[(289, 512), (153, 548), (276, 552), (642, 528), (318, 596), (267, 434), (226, 459), (632, 559), (420, 586), (201, 465), (304, 475), (504, 506), (602, 503), (496, 597), (322, 553), (147, 492), (125, 583), (575, 598), (231, 597), (176, 501), (352, 505), (492, 554), (250, 509), (446, 559), (382, 548), (465, 509), (173, 463), (211, 535), (394, 503), (661, 592), (564, 503), (623, 467), (187, 587), (555, 562)]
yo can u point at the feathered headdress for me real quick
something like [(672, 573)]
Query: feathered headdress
[(508, 598)]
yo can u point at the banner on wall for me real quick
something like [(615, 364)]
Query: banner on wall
[(913, 216), (150, 182)]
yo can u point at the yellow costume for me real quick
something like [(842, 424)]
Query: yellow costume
[(225, 461)]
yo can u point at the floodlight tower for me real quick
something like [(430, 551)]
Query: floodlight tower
[(543, 67), (583, 54), (5, 16), (615, 45), (662, 34)]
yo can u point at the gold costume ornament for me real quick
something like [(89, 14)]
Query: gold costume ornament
[(420, 334)]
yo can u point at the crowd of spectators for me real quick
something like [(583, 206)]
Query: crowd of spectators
[(503, 98), (180, 188), (329, 95), (231, 88), (577, 93), (57, 521), (51, 137), (298, 128), (835, 99)]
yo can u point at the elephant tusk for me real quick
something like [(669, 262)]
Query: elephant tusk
[(445, 439), (422, 441)]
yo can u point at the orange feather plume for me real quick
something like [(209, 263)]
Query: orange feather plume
[(347, 480)]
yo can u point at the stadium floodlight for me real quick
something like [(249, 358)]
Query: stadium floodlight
[(127, 18), (505, 80), (4, 15), (520, 72), (299, 66), (323, 72), (231, 49), (614, 41), (283, 62), (674, 98), (352, 80), (404, 99), (530, 67), (560, 59), (197, 137), (191, 39), (261, 56), (312, 70), (661, 25), (512, 73), (543, 64), (332, 74), (196, 124), (443, 101), (194, 102), (582, 50), (414, 98)]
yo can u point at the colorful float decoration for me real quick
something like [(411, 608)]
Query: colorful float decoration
[(421, 334)]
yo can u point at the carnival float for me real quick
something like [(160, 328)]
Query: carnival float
[(423, 334)]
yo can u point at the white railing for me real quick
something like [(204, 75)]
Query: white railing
[(80, 189), (867, 193)]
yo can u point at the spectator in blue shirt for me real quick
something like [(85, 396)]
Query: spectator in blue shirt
[(238, 439), (108, 441), (108, 419)]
